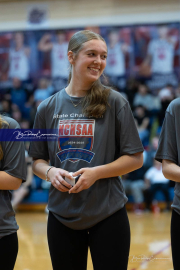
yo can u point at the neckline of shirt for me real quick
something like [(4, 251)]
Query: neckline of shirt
[(70, 97)]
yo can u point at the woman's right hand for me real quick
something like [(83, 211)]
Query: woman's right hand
[(56, 178)]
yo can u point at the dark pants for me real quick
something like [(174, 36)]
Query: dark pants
[(175, 239), (109, 243), (8, 251), (161, 187), (149, 194)]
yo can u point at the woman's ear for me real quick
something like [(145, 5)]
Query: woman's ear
[(71, 57)]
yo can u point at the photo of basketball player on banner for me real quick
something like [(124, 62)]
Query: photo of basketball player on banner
[(156, 54), (119, 53)]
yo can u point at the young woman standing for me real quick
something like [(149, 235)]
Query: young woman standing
[(169, 154), (99, 140), (12, 172)]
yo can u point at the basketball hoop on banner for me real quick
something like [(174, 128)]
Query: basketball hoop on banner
[(37, 16)]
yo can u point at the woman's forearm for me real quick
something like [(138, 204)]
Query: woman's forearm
[(40, 167), (170, 170), (121, 166), (9, 182)]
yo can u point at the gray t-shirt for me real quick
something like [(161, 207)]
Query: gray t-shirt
[(86, 142), (169, 143), (13, 163)]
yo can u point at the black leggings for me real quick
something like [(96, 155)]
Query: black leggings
[(109, 243), (175, 239), (8, 251)]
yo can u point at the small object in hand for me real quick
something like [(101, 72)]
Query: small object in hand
[(74, 181)]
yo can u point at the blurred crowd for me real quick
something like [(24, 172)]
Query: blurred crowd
[(20, 97), (148, 110)]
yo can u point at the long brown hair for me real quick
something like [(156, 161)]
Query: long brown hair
[(1, 151), (96, 100)]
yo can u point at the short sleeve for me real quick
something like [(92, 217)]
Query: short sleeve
[(127, 135), (13, 161), (39, 149), (167, 148)]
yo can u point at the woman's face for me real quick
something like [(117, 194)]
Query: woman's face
[(90, 62)]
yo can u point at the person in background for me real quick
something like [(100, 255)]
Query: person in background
[(142, 121), (43, 91), (16, 113), (160, 55), (134, 185), (145, 99), (166, 95), (131, 90), (116, 67), (59, 62), (18, 94), (18, 62), (6, 107), (155, 181), (151, 152)]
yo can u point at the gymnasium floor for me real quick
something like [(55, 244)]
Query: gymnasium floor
[(150, 242)]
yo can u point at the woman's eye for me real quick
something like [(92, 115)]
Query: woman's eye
[(104, 56)]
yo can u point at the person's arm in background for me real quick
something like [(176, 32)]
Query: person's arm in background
[(45, 43), (170, 170), (145, 67), (144, 124)]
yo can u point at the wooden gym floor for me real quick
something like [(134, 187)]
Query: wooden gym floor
[(150, 242)]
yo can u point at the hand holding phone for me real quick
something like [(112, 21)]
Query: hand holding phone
[(74, 181)]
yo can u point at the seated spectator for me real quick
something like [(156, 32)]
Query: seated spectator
[(143, 122), (5, 107), (131, 90), (166, 95), (44, 90), (143, 98), (134, 185), (18, 94), (19, 97), (24, 124), (150, 153), (16, 113), (155, 181)]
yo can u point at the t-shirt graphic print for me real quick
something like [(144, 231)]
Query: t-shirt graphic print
[(85, 142), (75, 139)]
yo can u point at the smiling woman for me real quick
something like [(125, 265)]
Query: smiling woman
[(88, 58), (98, 141)]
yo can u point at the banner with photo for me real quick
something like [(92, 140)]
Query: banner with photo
[(157, 54), (149, 53)]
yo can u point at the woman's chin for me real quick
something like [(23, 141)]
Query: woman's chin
[(92, 79)]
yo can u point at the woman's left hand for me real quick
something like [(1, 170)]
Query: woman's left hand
[(87, 179)]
